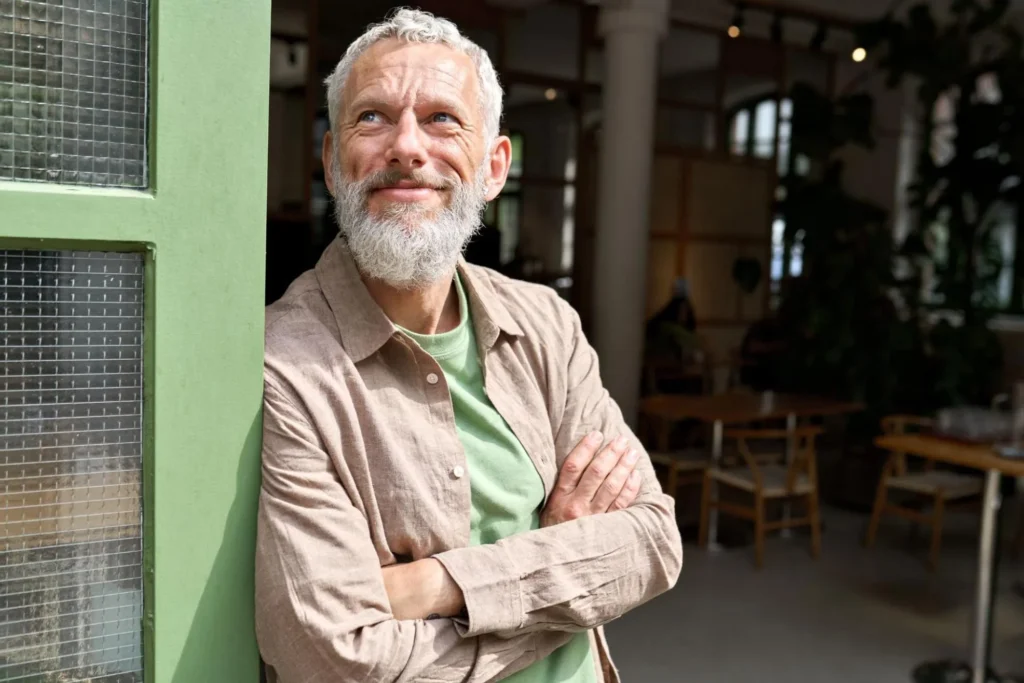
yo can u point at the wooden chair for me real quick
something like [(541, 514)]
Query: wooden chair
[(942, 487), (767, 476), (683, 468)]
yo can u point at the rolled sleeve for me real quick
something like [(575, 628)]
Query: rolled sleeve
[(490, 586)]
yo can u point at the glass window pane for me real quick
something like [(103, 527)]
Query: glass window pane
[(740, 132), (508, 226), (546, 123), (1004, 232), (73, 92), (796, 256), (764, 129), (785, 133), (801, 165), (778, 249), (568, 219), (71, 466), (787, 109)]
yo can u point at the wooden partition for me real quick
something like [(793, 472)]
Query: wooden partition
[(706, 212)]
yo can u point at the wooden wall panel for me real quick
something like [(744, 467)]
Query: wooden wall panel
[(728, 198), (709, 272), (666, 179), (661, 273)]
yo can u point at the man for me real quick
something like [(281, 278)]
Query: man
[(449, 494)]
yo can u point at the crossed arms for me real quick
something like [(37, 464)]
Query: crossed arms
[(326, 610)]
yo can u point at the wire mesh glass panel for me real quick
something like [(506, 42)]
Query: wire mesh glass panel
[(71, 598), (73, 91)]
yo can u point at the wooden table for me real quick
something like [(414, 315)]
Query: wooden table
[(983, 458), (737, 408)]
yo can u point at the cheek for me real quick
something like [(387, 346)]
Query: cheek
[(362, 157), (461, 158)]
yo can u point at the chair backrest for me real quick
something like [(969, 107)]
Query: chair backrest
[(904, 424), (803, 462)]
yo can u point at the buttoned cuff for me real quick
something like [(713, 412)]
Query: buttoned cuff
[(490, 587)]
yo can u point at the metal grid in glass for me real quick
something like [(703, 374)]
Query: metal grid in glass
[(71, 596), (73, 95)]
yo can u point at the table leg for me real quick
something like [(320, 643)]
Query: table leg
[(986, 586), (717, 435), (790, 454)]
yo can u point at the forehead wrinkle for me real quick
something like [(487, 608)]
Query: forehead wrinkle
[(399, 72)]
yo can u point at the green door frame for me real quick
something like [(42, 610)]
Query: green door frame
[(202, 226)]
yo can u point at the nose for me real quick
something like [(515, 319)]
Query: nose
[(408, 150)]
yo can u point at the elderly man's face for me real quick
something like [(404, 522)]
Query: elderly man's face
[(413, 109), (409, 162)]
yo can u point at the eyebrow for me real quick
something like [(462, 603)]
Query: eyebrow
[(364, 103)]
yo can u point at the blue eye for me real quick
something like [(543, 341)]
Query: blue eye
[(442, 117), (368, 116)]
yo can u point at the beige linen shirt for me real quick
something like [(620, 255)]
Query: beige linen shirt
[(362, 468)]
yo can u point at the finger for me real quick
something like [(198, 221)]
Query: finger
[(616, 480), (629, 492), (600, 467), (576, 464)]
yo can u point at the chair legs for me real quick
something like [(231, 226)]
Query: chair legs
[(760, 520), (705, 510), (876, 514), (673, 480), (1017, 547), (814, 514), (933, 553), (759, 531)]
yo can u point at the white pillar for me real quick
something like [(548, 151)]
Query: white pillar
[(632, 30)]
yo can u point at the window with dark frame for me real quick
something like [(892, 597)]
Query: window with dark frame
[(752, 134), (505, 211), (1006, 222)]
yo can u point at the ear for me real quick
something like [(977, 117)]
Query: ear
[(328, 160), (498, 161)]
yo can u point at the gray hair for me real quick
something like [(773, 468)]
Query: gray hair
[(416, 26)]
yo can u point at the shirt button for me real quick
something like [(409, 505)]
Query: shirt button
[(432, 378), (458, 472)]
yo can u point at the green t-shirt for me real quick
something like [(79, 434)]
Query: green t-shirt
[(505, 488)]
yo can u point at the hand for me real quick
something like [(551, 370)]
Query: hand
[(590, 484), (422, 590)]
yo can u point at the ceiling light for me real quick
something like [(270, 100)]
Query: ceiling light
[(860, 54), (736, 27), (550, 94)]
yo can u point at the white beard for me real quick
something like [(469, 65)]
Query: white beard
[(409, 246)]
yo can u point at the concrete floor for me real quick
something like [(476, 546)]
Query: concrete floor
[(855, 615)]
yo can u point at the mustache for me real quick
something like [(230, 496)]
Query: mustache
[(391, 177)]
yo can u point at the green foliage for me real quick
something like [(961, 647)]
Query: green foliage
[(960, 197), (746, 272), (844, 337)]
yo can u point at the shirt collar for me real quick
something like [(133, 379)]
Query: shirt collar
[(363, 326)]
